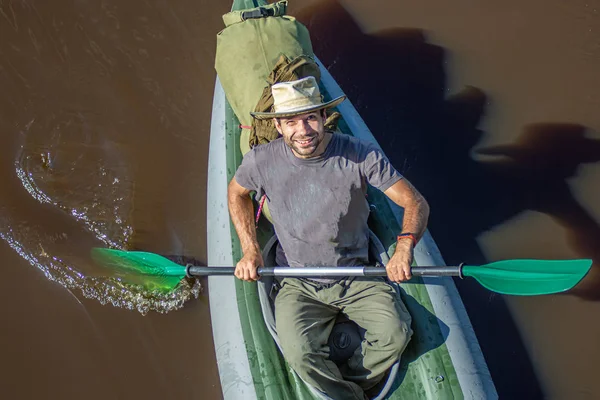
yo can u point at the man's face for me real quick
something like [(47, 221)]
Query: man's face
[(303, 133)]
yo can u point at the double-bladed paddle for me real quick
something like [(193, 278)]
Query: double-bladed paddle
[(514, 277)]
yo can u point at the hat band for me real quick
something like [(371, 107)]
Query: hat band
[(296, 104)]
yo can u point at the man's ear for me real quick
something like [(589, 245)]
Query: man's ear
[(277, 125)]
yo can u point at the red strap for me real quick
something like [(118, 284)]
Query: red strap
[(260, 207), (244, 126)]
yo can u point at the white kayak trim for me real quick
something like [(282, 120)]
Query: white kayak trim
[(232, 358), (471, 369)]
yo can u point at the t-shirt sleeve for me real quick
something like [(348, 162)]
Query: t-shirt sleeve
[(247, 174), (378, 170)]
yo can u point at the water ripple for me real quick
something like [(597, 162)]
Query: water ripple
[(104, 289), (72, 162)]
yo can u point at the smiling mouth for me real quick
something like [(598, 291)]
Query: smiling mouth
[(306, 142)]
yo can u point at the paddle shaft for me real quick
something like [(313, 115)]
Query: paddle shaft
[(319, 272), (524, 277)]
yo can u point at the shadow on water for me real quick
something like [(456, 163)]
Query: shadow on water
[(397, 82), (532, 174)]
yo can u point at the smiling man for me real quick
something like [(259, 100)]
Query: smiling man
[(316, 182)]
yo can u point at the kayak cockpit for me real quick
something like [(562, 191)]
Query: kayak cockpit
[(346, 335)]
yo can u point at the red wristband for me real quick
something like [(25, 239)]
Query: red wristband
[(410, 236)]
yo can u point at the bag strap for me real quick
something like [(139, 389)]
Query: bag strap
[(270, 10)]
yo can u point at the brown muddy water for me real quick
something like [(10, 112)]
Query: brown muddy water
[(490, 109)]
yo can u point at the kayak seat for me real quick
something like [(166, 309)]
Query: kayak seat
[(346, 336)]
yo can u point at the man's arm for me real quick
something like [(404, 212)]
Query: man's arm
[(416, 215), (416, 209), (242, 215)]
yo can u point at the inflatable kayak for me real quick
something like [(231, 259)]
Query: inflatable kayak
[(443, 359)]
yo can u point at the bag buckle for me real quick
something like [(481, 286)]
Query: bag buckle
[(260, 12)]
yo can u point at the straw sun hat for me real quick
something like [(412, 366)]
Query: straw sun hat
[(295, 98)]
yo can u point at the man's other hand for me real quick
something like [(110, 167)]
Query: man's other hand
[(398, 268), (246, 268)]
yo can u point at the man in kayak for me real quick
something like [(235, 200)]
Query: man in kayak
[(315, 182)]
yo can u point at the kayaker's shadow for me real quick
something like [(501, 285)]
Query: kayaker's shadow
[(397, 81)]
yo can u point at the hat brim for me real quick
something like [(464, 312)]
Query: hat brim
[(298, 111)]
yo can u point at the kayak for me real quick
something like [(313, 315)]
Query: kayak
[(443, 359)]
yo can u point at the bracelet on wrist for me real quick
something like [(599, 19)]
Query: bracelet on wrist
[(410, 236)]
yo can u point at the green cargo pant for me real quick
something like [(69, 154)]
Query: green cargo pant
[(305, 314)]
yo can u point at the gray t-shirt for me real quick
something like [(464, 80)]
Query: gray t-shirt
[(318, 205)]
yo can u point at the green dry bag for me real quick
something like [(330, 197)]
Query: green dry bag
[(247, 51)]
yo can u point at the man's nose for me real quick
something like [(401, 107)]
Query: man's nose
[(304, 126)]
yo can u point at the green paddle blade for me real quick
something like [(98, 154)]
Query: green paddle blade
[(138, 267), (529, 277)]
